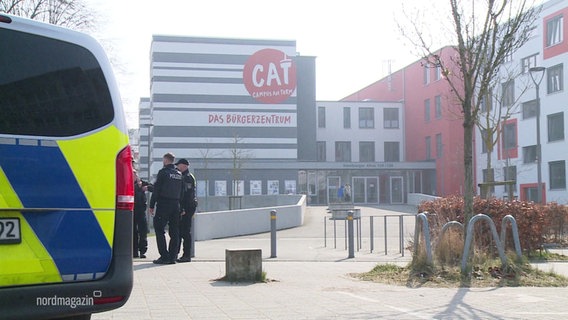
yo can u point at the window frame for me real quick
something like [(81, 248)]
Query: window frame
[(321, 151), (557, 175), (438, 106), (555, 78), (559, 117), (427, 110), (554, 30), (391, 118), (321, 117), (346, 117), (366, 151), (343, 146), (389, 148), (364, 122)]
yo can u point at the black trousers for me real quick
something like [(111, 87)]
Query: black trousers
[(140, 232), (167, 214), (185, 233)]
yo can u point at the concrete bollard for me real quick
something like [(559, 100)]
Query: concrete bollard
[(243, 264), (273, 234)]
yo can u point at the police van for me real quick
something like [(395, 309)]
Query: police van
[(66, 181)]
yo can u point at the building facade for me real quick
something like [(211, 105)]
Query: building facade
[(515, 156), (434, 126), (244, 113), (433, 129)]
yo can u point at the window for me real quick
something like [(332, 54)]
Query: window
[(321, 117), (508, 58), (320, 145), (426, 73), (529, 109), (346, 117), (57, 91), (366, 118), (509, 136), (530, 194), (428, 148), (438, 72), (439, 145), (427, 110), (557, 174), (392, 151), (554, 33), (390, 116), (366, 151), (556, 127), (438, 101), (528, 62), (486, 104), (510, 173), (529, 154), (343, 151), (554, 78), (508, 89)]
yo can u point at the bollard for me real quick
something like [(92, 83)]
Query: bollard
[(273, 234), (372, 235), (192, 236), (350, 234)]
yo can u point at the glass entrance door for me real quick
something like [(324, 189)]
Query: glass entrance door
[(397, 190), (333, 184), (365, 190)]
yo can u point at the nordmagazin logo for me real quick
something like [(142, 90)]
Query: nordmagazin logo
[(270, 76)]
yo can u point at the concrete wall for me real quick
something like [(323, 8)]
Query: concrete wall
[(230, 223), (417, 198)]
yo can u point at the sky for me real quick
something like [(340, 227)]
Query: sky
[(354, 41)]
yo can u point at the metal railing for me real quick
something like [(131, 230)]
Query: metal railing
[(388, 227)]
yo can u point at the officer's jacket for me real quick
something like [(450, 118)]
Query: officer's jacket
[(168, 185), (189, 200)]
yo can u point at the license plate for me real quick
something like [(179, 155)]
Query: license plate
[(10, 231)]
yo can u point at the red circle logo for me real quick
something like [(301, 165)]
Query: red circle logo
[(270, 76)]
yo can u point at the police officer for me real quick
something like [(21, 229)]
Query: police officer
[(188, 206), (140, 232), (166, 195)]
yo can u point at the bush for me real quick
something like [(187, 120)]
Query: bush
[(537, 224)]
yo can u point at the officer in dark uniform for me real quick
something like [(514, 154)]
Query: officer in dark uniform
[(140, 231), (166, 195), (188, 206)]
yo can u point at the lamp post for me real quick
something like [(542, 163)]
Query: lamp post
[(537, 73)]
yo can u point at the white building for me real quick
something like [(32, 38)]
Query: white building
[(516, 147)]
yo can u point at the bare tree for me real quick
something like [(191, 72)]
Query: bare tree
[(485, 34), (72, 14), (239, 157)]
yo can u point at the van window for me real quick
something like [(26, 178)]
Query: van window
[(50, 88)]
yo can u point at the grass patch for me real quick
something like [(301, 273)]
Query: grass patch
[(520, 274), (545, 256)]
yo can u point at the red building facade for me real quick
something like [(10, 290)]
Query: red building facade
[(433, 121)]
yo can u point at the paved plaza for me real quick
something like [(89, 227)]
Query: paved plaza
[(309, 279)]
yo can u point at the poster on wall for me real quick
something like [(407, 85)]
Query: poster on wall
[(238, 188), (290, 186), (201, 188), (220, 188), (255, 187), (273, 187)]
